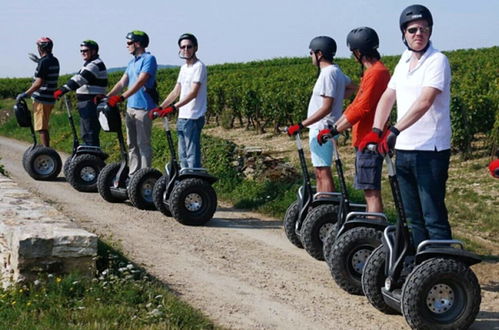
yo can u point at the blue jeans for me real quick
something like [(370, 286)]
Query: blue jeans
[(189, 141), (89, 124), (422, 176)]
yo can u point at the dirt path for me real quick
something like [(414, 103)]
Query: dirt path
[(240, 269)]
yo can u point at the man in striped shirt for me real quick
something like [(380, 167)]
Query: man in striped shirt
[(89, 82), (43, 87)]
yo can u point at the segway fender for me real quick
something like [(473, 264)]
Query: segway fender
[(378, 224), (464, 256), (198, 174), (92, 150)]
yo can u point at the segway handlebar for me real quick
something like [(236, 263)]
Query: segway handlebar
[(166, 123)]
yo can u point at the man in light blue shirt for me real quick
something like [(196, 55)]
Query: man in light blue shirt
[(141, 95)]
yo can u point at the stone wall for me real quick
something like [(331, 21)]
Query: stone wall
[(37, 239)]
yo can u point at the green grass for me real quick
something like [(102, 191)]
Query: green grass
[(121, 296)]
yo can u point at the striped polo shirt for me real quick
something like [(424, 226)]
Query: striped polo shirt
[(48, 71), (91, 80)]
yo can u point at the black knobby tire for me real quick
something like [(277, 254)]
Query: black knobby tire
[(193, 202), (83, 171), (328, 243), (441, 293), (42, 163), (105, 182), (349, 254), (157, 195), (316, 227), (289, 223), (26, 156), (140, 188), (373, 279), (65, 168)]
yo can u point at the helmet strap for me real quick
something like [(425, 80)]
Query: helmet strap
[(317, 62), (185, 58)]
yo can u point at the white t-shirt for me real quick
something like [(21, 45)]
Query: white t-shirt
[(188, 75), (433, 130), (331, 83)]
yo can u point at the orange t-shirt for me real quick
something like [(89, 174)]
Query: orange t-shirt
[(360, 113)]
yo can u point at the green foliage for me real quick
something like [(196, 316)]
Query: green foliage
[(268, 94)]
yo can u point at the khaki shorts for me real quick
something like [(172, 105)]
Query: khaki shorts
[(42, 113)]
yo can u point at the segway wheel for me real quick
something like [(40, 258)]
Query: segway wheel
[(140, 188), (26, 157), (289, 223), (42, 163), (441, 293), (349, 254), (105, 182), (373, 279), (83, 171), (316, 227), (328, 243), (65, 168), (193, 202), (157, 195)]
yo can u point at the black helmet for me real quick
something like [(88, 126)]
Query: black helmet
[(413, 13), (23, 116), (364, 39), (90, 44), (45, 44), (139, 36), (326, 45), (190, 37)]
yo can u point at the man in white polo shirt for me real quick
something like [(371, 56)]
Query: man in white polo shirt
[(422, 134), (191, 90)]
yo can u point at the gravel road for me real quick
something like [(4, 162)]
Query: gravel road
[(240, 270)]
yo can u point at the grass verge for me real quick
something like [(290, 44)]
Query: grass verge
[(121, 296)]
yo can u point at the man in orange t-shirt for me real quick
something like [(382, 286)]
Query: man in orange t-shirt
[(363, 42)]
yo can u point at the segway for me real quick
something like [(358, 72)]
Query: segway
[(186, 194), (113, 182), (41, 163), (432, 286), (306, 201), (82, 168), (352, 239), (327, 215)]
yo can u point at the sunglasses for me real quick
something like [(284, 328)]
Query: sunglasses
[(420, 28), (84, 50), (186, 47), (129, 43)]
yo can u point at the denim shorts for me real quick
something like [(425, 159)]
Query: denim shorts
[(368, 167), (322, 156)]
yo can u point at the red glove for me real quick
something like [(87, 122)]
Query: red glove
[(388, 141), (58, 93), (294, 129), (373, 137), (114, 100), (326, 135), (494, 168), (160, 112)]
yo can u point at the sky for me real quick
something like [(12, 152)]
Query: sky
[(228, 31)]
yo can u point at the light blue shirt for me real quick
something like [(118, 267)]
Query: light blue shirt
[(143, 63)]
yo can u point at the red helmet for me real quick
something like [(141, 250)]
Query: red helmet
[(45, 43)]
